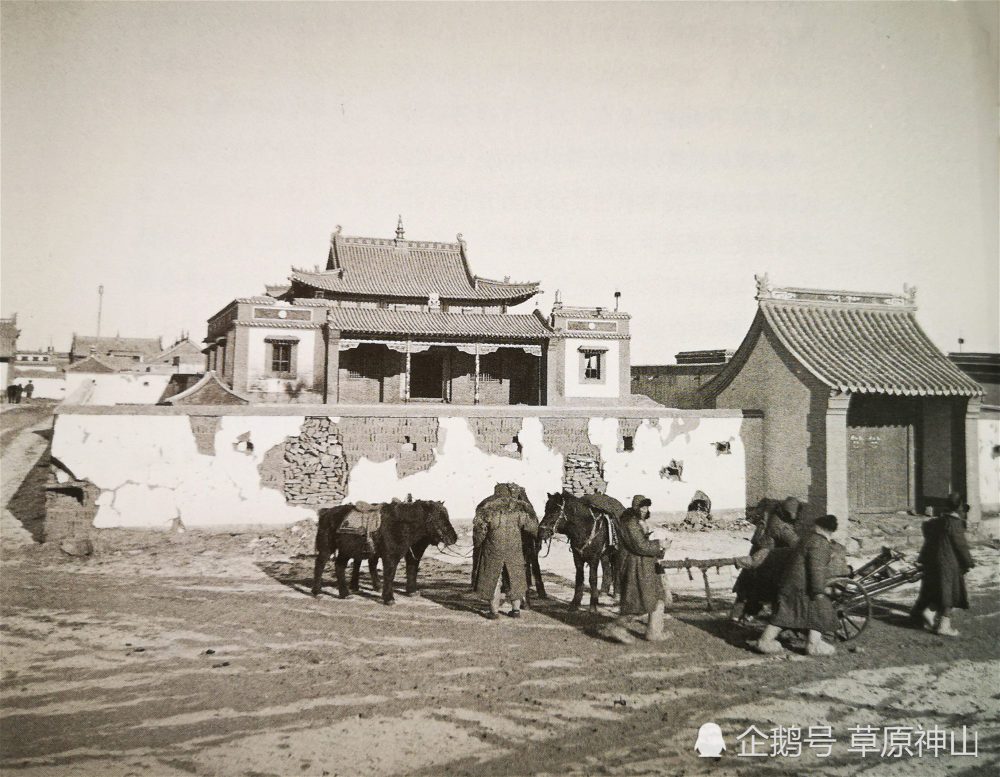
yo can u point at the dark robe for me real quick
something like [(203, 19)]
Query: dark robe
[(638, 582), (945, 559), (496, 531), (770, 551), (800, 603)]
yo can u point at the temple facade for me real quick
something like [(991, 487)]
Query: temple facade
[(391, 320)]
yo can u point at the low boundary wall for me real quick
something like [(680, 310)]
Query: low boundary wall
[(221, 466)]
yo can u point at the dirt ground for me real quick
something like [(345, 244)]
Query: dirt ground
[(201, 653)]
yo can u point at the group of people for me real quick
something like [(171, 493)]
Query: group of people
[(788, 570), (15, 390), (497, 534)]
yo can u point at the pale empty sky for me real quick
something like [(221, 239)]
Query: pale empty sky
[(183, 154)]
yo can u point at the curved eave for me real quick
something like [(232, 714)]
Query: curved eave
[(514, 295), (922, 364)]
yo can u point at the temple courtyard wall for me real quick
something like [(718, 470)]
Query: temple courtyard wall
[(224, 466)]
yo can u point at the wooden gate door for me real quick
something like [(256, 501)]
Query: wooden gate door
[(880, 468)]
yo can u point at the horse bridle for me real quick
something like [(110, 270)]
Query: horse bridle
[(561, 520)]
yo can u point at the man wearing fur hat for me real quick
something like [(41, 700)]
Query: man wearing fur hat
[(639, 584)]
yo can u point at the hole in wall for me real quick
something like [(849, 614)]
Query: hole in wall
[(673, 471), (243, 443), (723, 447), (628, 443)]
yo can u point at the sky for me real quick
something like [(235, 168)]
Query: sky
[(184, 154)]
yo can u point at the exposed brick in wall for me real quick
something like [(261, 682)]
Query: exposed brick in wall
[(315, 470), (410, 441), (496, 435), (204, 428), (568, 435), (627, 428), (583, 474), (582, 468), (69, 510)]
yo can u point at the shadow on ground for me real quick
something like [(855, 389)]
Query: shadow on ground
[(444, 584)]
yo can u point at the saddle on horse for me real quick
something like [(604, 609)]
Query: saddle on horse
[(364, 519)]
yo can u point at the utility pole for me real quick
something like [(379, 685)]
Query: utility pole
[(100, 302)]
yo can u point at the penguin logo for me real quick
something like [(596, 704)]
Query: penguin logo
[(710, 743)]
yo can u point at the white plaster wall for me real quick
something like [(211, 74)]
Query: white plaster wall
[(989, 463), (116, 388), (149, 469), (689, 440), (462, 475), (574, 387), (258, 367), (46, 388)]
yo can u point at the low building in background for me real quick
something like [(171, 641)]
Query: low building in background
[(181, 358), (984, 368), (677, 385), (47, 359), (122, 353)]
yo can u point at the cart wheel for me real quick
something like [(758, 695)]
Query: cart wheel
[(852, 606)]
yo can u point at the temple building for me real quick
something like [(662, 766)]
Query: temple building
[(391, 320)]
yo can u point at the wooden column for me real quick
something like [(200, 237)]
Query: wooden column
[(406, 377), (475, 379)]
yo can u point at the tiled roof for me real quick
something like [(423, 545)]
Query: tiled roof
[(144, 346), (183, 347), (874, 346), (406, 268), (91, 364), (434, 324)]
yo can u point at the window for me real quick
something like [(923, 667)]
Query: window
[(592, 365), (281, 357), (490, 368), (363, 362)]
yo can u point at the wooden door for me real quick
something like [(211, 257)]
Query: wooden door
[(880, 468)]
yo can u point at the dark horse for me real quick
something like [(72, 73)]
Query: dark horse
[(589, 537), (406, 529), (331, 540), (529, 542)]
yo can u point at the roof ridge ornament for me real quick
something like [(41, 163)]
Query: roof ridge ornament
[(333, 258), (764, 288), (910, 293), (399, 228)]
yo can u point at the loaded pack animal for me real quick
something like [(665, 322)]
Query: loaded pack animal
[(347, 532), (529, 540), (405, 530), (591, 530)]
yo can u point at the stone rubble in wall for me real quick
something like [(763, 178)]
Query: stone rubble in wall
[(583, 475), (315, 469)]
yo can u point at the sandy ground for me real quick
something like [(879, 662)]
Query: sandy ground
[(204, 654)]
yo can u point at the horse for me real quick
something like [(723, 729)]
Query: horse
[(589, 533), (333, 539), (529, 541), (407, 529)]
